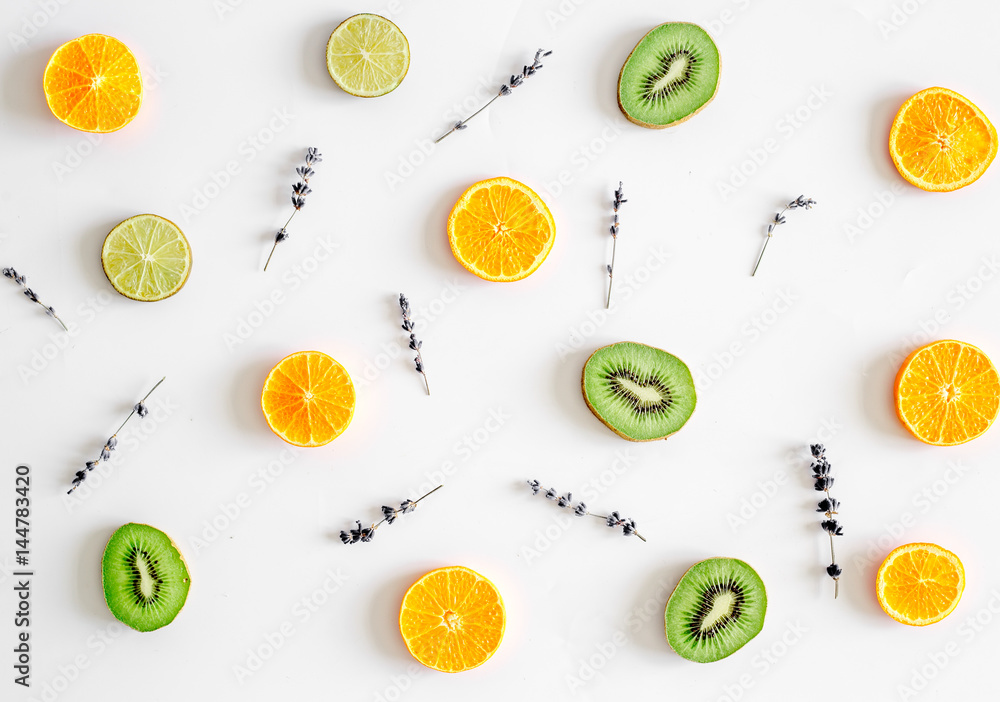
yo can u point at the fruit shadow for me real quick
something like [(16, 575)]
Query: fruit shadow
[(605, 87), (883, 113), (384, 613), (858, 587), (651, 601), (88, 587), (436, 230), (21, 94), (245, 394), (91, 242), (877, 396), (567, 389)]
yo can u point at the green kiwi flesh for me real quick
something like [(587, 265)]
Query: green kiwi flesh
[(717, 607), (146, 581), (640, 392), (670, 76)]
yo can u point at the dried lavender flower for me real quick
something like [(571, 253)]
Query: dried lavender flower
[(415, 345), (30, 294), (616, 205), (299, 192), (389, 515), (613, 520), (801, 202), (505, 89), (112, 443), (828, 506)]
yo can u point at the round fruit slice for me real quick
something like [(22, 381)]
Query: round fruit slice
[(940, 141), (308, 399), (452, 619), (93, 84), (367, 55), (920, 584), (501, 230), (146, 581), (640, 392), (670, 76), (717, 607), (146, 258), (947, 393)]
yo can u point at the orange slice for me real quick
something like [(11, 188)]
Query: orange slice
[(501, 230), (947, 393), (452, 619), (940, 141), (919, 584), (93, 84), (308, 399)]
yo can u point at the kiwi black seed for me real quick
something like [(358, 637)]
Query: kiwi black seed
[(146, 581), (670, 76), (640, 392), (717, 607)]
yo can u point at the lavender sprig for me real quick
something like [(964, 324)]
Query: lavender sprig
[(30, 294), (801, 202), (612, 520), (389, 515), (505, 89), (112, 443), (299, 192), (415, 346), (615, 204), (828, 506)]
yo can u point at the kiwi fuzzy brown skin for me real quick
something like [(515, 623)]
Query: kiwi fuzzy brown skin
[(681, 580), (583, 388), (173, 544), (647, 125)]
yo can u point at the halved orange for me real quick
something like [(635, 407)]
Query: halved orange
[(308, 399), (452, 619), (93, 84), (501, 230), (947, 393), (940, 141), (919, 584)]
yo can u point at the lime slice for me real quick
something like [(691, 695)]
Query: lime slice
[(146, 258), (367, 55)]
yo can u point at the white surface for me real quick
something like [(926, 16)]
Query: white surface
[(821, 368)]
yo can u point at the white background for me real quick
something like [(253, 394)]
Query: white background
[(876, 269)]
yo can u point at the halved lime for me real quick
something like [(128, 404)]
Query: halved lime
[(146, 258), (367, 55)]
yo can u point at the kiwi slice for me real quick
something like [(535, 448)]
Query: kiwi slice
[(716, 608), (640, 392), (669, 77), (146, 581)]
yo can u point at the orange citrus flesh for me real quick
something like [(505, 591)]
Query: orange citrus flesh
[(501, 230), (308, 399), (452, 619), (940, 141), (93, 84), (947, 393), (919, 584)]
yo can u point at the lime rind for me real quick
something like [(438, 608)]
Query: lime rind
[(368, 56), (146, 258)]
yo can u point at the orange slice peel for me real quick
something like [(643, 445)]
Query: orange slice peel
[(947, 393), (452, 619), (501, 230), (308, 399), (920, 584), (93, 84), (940, 141)]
